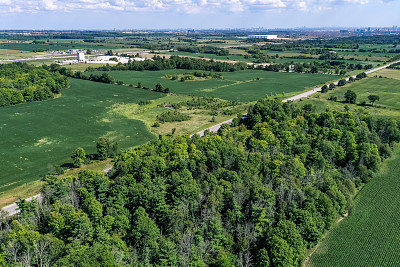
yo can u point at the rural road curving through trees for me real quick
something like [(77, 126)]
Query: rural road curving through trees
[(13, 208)]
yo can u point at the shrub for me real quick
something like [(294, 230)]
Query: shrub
[(172, 115)]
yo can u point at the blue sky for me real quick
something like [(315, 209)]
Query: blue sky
[(198, 14)]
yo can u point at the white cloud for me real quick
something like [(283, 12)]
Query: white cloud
[(182, 6)]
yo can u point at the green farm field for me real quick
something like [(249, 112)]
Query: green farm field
[(370, 236), (387, 89), (242, 86), (235, 57), (38, 135)]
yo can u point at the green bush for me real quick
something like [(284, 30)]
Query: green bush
[(172, 115)]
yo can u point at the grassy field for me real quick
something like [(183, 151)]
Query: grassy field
[(389, 73), (387, 89), (370, 236), (38, 135), (242, 86), (200, 119)]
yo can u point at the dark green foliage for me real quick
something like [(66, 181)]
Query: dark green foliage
[(106, 148), (373, 98), (176, 62), (324, 89), (78, 157), (204, 49), (172, 115), (342, 82), (350, 97), (144, 102), (160, 88), (361, 76), (103, 78), (259, 195), (20, 82)]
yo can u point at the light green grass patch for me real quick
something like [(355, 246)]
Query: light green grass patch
[(200, 119), (387, 89), (388, 73)]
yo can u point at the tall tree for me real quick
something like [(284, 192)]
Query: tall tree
[(350, 97), (78, 157)]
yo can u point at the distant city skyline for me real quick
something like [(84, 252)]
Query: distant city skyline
[(196, 14)]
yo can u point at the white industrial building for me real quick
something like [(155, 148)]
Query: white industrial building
[(101, 60), (269, 37), (81, 57)]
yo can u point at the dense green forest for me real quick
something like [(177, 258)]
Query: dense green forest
[(20, 82), (258, 194)]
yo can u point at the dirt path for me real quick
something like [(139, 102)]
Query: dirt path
[(317, 246)]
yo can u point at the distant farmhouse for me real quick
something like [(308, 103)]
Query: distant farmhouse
[(269, 37)]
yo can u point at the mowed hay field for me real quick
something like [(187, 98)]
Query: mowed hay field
[(370, 236), (38, 135), (389, 73), (242, 86)]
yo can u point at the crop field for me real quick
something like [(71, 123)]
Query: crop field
[(243, 86), (370, 236), (387, 89), (309, 60), (38, 135)]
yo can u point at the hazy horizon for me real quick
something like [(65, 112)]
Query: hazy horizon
[(196, 14)]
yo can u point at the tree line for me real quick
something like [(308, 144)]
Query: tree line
[(175, 62), (259, 194), (204, 49)]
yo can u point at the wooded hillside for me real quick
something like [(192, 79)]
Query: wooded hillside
[(256, 195)]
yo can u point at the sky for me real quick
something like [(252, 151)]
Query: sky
[(195, 14)]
